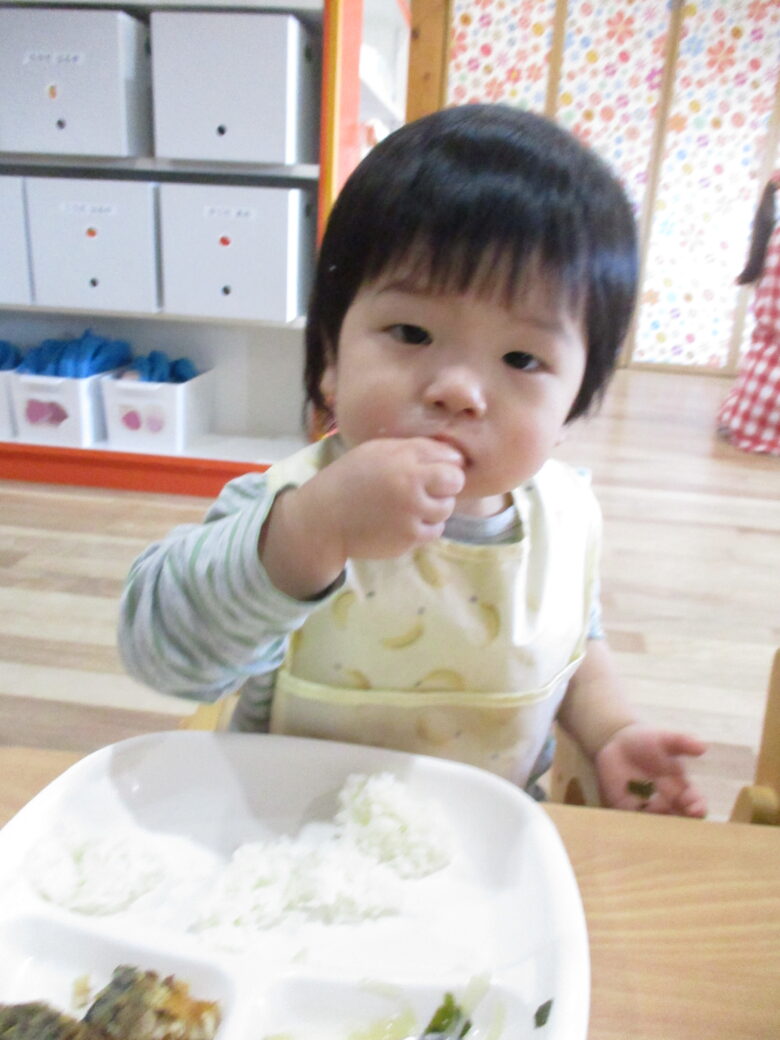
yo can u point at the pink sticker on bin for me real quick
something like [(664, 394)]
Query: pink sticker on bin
[(157, 417)]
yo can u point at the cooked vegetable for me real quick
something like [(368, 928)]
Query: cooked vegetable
[(641, 788), (542, 1014), (448, 1022)]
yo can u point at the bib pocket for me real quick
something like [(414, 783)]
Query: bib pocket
[(502, 732)]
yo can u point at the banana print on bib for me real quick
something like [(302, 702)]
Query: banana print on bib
[(455, 650)]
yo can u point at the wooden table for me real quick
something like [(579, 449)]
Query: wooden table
[(683, 916)]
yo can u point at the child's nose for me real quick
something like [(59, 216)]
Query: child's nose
[(456, 391)]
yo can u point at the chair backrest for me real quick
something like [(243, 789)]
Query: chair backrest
[(760, 802), (214, 716), (573, 775)]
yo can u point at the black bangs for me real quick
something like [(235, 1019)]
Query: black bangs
[(465, 195), (474, 199)]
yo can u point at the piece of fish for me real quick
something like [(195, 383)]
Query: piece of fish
[(38, 1021), (135, 1005), (140, 1005)]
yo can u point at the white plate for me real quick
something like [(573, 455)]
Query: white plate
[(507, 908)]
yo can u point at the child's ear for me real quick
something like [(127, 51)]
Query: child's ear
[(328, 384)]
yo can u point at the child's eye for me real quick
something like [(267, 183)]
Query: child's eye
[(410, 334), (519, 359)]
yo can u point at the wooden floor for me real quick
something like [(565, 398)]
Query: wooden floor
[(690, 583)]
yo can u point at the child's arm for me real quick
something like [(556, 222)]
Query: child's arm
[(628, 756), (198, 614), (378, 500), (203, 610)]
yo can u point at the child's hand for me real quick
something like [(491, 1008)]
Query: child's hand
[(386, 496), (378, 500), (640, 768)]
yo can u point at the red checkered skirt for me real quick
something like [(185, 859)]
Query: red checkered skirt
[(750, 415)]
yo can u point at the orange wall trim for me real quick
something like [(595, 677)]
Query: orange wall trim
[(172, 474), (340, 124)]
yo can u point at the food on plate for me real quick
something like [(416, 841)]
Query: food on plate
[(268, 882), (542, 1014), (383, 818), (351, 869), (135, 1005), (38, 1021), (448, 1022), (383, 837), (101, 875), (82, 992), (140, 1005)]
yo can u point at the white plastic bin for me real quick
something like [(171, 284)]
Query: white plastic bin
[(162, 418), (7, 425), (58, 410), (74, 82), (237, 87), (232, 252), (93, 243), (14, 255)]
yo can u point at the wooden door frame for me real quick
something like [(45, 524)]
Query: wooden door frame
[(429, 50)]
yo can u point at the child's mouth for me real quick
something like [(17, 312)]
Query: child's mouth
[(453, 442)]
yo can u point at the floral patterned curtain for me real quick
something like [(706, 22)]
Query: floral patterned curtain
[(682, 100)]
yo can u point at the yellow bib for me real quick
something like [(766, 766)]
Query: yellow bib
[(455, 650)]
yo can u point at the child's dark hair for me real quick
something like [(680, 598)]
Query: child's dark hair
[(469, 194), (763, 223)]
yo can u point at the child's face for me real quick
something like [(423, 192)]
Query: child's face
[(497, 382)]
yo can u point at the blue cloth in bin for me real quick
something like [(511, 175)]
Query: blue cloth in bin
[(10, 356), (79, 358), (157, 367)]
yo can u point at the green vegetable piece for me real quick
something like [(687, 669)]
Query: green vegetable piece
[(542, 1014), (448, 1022), (444, 1015), (641, 788)]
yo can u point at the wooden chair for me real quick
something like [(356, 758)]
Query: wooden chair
[(211, 716), (759, 802), (572, 779)]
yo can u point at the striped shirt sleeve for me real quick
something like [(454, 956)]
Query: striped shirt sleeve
[(199, 614)]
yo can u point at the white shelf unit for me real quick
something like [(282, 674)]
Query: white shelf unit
[(258, 413)]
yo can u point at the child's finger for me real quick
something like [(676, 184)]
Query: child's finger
[(688, 802), (696, 808), (445, 480), (434, 450), (437, 509), (680, 798), (682, 744)]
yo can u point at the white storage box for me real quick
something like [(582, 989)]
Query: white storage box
[(74, 82), (157, 417), (234, 87), (93, 243), (7, 425), (58, 410), (14, 257), (236, 252)]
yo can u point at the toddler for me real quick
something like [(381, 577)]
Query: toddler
[(750, 415), (426, 577)]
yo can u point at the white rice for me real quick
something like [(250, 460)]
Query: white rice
[(387, 822), (268, 882), (382, 839), (96, 875)]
